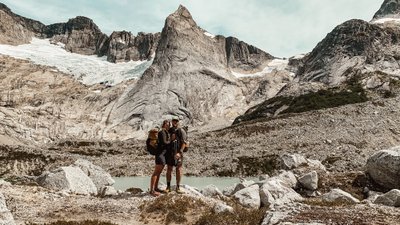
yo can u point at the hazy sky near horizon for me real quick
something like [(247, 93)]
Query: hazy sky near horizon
[(282, 28)]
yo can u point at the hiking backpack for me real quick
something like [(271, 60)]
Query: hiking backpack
[(152, 141)]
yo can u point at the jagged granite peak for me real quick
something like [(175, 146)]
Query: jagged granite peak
[(189, 78), (389, 8), (15, 29), (351, 45), (80, 35), (124, 46), (244, 57)]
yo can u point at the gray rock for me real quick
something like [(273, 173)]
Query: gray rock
[(107, 191), (273, 218), (389, 8), (124, 46), (249, 197), (309, 181), (80, 35), (230, 190), (221, 207), (6, 218), (287, 178), (4, 183), (391, 198), (263, 177), (211, 191), (275, 192), (242, 185), (98, 175), (339, 195), (288, 161), (384, 167), (70, 179)]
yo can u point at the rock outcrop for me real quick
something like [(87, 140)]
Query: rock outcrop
[(124, 46), (6, 218), (80, 35), (389, 8), (384, 167), (350, 48), (15, 29), (189, 78)]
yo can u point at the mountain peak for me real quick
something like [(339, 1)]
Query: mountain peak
[(181, 18), (388, 8)]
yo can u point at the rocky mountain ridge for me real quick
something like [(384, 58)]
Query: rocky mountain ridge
[(389, 8), (191, 77)]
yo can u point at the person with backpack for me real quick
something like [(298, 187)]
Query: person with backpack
[(174, 156), (160, 157)]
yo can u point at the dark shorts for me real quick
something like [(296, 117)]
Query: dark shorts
[(171, 161), (160, 159)]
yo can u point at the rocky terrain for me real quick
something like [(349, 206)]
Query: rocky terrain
[(313, 127)]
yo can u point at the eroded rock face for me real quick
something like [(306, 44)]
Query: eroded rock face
[(15, 29), (384, 168), (80, 35), (124, 46), (388, 8), (391, 198), (347, 49)]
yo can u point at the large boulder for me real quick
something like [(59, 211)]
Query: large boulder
[(6, 218), (70, 179), (309, 181), (391, 198), (249, 197), (288, 161), (211, 191), (98, 175), (276, 192), (384, 168), (337, 195)]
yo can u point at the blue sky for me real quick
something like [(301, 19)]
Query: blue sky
[(281, 27)]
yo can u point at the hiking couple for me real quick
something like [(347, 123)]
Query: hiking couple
[(171, 145)]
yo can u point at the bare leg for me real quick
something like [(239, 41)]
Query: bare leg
[(169, 176), (178, 175), (156, 175)]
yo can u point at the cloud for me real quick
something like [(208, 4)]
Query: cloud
[(282, 28)]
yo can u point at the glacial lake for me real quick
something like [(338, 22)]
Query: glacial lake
[(123, 183)]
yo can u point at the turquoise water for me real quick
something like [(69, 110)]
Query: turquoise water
[(122, 183)]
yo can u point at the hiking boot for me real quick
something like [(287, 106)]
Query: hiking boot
[(179, 191), (167, 190)]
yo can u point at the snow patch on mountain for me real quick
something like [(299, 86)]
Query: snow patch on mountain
[(87, 69), (276, 64), (209, 35)]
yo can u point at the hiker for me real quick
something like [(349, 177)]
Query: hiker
[(174, 156), (162, 147)]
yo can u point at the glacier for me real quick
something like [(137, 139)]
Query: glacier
[(87, 69)]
